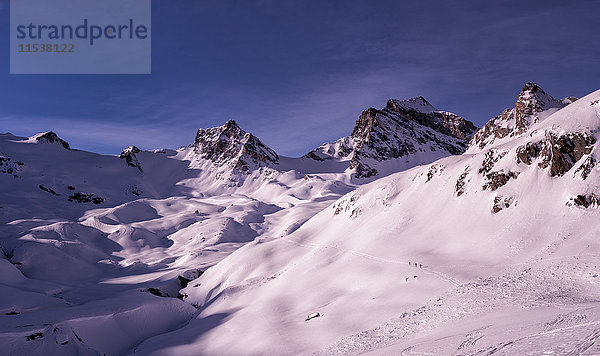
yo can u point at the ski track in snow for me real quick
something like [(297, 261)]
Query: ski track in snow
[(426, 269), (470, 300)]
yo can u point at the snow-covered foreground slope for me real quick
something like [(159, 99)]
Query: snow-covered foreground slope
[(505, 245)]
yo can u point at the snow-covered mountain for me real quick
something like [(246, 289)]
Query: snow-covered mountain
[(234, 149), (224, 247), (402, 135)]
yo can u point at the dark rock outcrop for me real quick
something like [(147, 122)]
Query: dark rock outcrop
[(490, 159), (51, 137), (501, 203), (528, 152), (8, 166), (586, 167), (433, 170), (48, 190), (560, 153), (129, 154), (461, 182), (557, 152), (495, 180), (585, 200), (443, 122), (85, 198)]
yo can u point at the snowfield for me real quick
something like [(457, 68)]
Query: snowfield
[(226, 248)]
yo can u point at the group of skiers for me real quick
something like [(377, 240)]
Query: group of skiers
[(418, 265)]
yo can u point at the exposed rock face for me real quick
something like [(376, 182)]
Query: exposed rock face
[(528, 152), (490, 158), (558, 152), (49, 190), (585, 201), (8, 166), (496, 180), (419, 110), (433, 170), (461, 182), (85, 198), (129, 155), (51, 137), (229, 145), (586, 167), (531, 103), (501, 203), (348, 205), (401, 129), (561, 153)]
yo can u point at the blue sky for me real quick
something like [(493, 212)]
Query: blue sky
[(298, 73)]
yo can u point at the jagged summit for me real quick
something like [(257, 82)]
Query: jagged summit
[(49, 137), (229, 145), (532, 105), (418, 103), (531, 87), (532, 100), (412, 129)]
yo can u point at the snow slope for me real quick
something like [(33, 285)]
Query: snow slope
[(506, 245)]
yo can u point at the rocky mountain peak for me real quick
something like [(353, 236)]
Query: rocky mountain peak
[(530, 101), (403, 129), (531, 87), (418, 103), (417, 110), (50, 137), (532, 105), (229, 145)]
